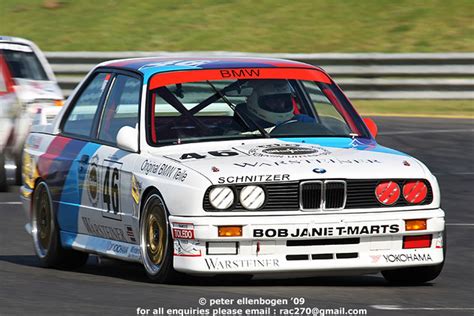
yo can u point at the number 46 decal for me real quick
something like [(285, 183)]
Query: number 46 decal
[(111, 189)]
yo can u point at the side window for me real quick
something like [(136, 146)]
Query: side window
[(81, 118), (121, 109)]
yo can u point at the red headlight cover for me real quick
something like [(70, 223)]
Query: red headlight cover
[(387, 192), (415, 192)]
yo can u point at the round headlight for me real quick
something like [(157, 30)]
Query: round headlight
[(221, 197), (387, 192), (415, 191), (252, 197)]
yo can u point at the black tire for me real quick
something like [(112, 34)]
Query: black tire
[(45, 233), (3, 174), (416, 275), (156, 242)]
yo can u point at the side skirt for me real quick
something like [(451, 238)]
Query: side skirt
[(101, 246)]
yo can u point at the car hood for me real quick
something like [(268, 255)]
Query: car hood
[(293, 159), (28, 90)]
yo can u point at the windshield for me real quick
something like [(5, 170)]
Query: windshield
[(249, 108), (24, 64)]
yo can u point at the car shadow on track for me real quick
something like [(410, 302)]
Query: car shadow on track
[(134, 272)]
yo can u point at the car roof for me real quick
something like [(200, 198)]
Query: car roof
[(17, 40), (149, 66)]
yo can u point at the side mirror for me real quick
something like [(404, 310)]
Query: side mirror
[(371, 126), (127, 138)]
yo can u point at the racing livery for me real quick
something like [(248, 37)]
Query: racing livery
[(226, 166)]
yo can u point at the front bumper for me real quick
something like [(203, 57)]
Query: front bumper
[(321, 244)]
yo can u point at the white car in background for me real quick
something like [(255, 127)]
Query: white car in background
[(27, 85)]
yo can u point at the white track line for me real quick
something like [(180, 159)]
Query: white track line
[(459, 224), (432, 131), (401, 308), (10, 203), (453, 173)]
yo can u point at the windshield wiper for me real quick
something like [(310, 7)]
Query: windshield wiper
[(233, 107)]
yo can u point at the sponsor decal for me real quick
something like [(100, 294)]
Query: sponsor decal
[(375, 259), (178, 62), (130, 233), (256, 178), (240, 73), (215, 169), (117, 248), (183, 230), (288, 150), (136, 189), (179, 233), (241, 264), (135, 252), (285, 163), (164, 170), (416, 257), (29, 170), (326, 231), (103, 230), (187, 248), (93, 181)]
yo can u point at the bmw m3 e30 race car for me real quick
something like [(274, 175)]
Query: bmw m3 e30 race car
[(226, 166)]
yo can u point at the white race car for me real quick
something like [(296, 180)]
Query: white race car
[(226, 166), (27, 85)]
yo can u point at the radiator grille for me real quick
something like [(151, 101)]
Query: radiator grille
[(311, 193), (360, 194), (280, 196), (285, 196), (334, 194)]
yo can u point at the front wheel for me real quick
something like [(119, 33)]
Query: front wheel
[(156, 242), (45, 233)]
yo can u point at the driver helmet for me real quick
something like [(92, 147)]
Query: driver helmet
[(271, 101)]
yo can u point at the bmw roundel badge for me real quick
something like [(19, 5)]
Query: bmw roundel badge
[(319, 170)]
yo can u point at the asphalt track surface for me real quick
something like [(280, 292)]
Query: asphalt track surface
[(105, 287)]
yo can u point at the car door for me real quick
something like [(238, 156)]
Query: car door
[(75, 146), (109, 176)]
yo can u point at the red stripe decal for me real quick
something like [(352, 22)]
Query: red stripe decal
[(54, 150), (164, 79)]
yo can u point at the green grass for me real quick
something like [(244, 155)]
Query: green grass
[(247, 25), (442, 108)]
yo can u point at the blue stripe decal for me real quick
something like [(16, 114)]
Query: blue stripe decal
[(70, 201), (346, 143), (150, 71)]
